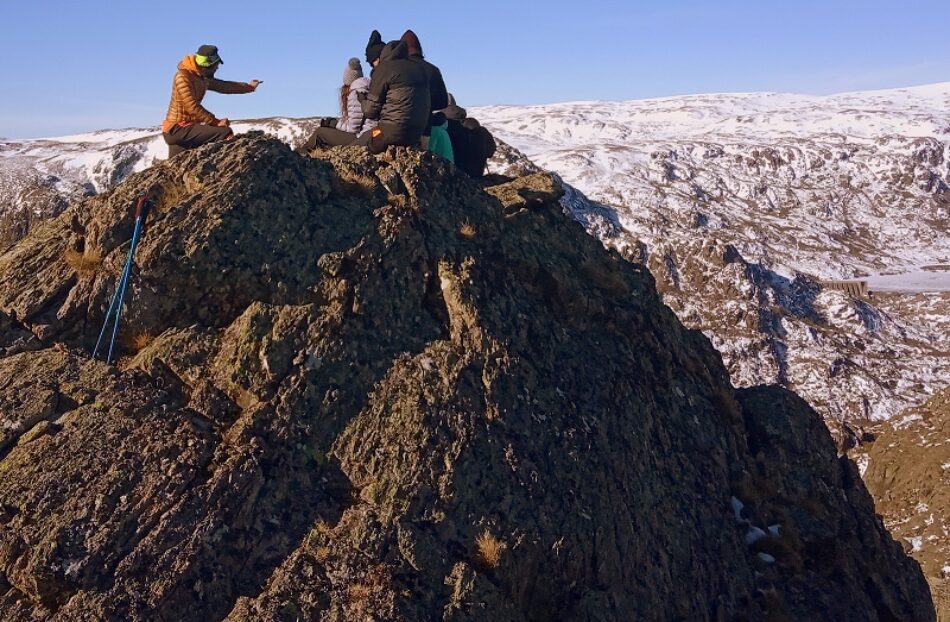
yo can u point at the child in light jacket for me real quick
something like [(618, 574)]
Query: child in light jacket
[(351, 123)]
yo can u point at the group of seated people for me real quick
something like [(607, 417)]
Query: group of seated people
[(403, 102)]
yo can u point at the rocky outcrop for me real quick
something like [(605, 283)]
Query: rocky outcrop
[(368, 388), (27, 198), (39, 178), (907, 469), (853, 359), (796, 201)]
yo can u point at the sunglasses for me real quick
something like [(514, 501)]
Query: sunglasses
[(207, 61)]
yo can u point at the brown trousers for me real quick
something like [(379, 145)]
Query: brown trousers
[(179, 138), (326, 137)]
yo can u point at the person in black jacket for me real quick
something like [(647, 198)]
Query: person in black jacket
[(398, 98), (437, 91), (472, 144)]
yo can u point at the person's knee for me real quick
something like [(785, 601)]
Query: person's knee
[(316, 140)]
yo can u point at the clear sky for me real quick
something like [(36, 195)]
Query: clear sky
[(74, 66)]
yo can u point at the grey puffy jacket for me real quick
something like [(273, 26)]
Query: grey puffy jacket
[(355, 122)]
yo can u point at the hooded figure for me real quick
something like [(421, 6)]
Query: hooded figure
[(398, 98), (472, 146), (437, 91), (188, 124), (436, 138)]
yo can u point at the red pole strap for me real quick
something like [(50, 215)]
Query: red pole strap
[(143, 204)]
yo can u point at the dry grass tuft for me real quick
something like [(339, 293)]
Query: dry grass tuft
[(398, 200), (353, 183), (318, 541), (322, 527), (358, 592), (140, 341), (83, 261), (467, 230), (490, 549)]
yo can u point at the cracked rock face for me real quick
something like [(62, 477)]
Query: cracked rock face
[(906, 464), (360, 388)]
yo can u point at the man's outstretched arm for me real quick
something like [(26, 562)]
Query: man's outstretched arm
[(232, 88)]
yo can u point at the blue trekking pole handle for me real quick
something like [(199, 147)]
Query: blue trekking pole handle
[(122, 286)]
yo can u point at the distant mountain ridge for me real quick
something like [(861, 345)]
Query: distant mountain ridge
[(739, 203), (840, 165)]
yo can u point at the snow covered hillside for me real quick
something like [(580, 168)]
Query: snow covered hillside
[(39, 177), (741, 204), (835, 186)]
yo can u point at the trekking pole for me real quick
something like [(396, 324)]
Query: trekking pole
[(141, 215)]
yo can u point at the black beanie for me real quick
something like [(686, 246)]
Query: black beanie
[(375, 47)]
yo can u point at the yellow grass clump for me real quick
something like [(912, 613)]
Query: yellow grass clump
[(490, 549), (83, 261), (140, 341), (358, 592)]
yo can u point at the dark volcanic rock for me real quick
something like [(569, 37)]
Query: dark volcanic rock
[(368, 389)]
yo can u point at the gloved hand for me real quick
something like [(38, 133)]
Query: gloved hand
[(328, 122), (361, 95)]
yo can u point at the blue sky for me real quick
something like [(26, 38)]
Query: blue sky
[(69, 67)]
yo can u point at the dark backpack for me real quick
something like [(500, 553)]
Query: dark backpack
[(472, 145)]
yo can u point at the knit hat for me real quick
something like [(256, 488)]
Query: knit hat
[(207, 56), (374, 47), (353, 71), (412, 42), (454, 112)]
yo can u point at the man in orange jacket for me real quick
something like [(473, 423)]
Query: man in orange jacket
[(188, 124)]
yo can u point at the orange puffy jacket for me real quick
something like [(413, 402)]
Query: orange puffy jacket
[(189, 88)]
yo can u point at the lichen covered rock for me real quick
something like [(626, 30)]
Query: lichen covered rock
[(371, 389)]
